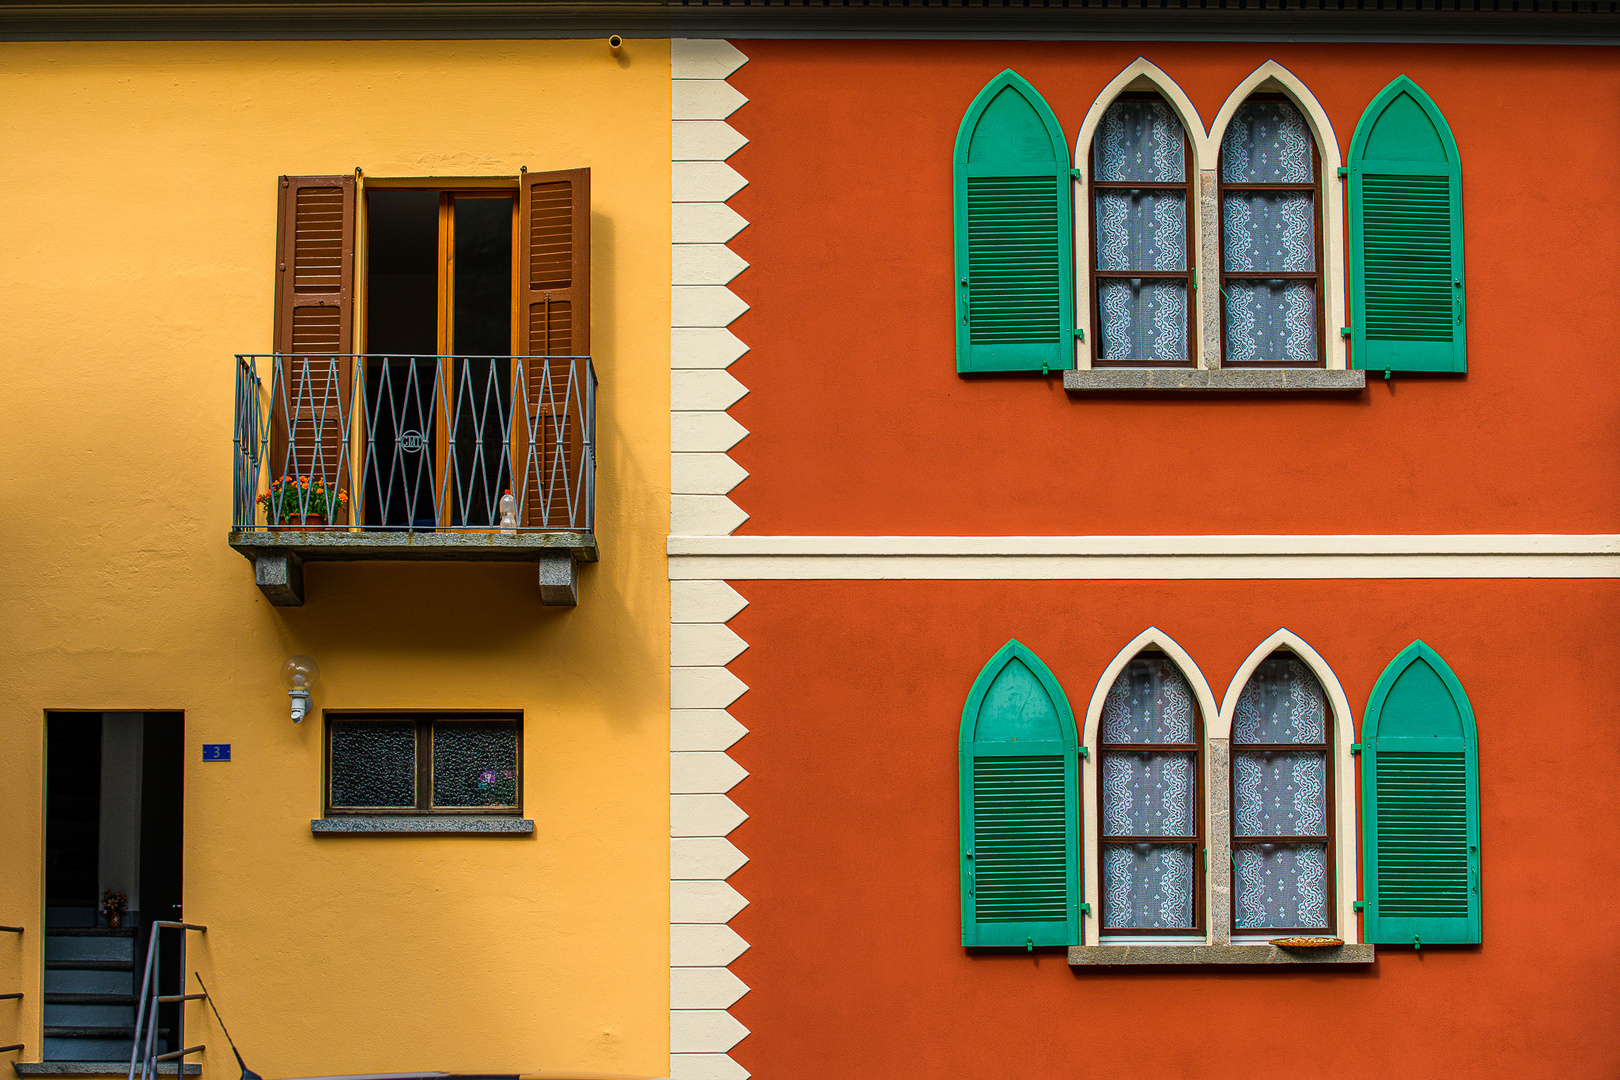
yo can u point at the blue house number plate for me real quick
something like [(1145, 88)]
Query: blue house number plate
[(216, 751)]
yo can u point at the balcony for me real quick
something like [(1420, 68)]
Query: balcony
[(391, 458)]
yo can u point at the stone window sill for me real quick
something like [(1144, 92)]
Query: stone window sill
[(389, 825), (1129, 955), (1307, 380)]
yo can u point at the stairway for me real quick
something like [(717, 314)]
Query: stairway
[(90, 996)]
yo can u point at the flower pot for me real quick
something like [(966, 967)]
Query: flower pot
[(115, 919), (291, 521)]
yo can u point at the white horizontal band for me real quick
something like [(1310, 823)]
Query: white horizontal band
[(1488, 555)]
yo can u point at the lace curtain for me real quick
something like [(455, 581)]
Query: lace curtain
[(1280, 793), (1269, 320), (1141, 229), (1148, 886)]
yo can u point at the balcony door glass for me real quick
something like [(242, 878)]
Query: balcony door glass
[(438, 373)]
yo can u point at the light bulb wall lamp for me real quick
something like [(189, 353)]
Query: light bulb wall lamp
[(300, 673)]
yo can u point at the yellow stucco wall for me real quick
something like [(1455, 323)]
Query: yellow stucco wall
[(138, 187)]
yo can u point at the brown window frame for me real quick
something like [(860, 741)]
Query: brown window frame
[(424, 766), (1196, 841), (1328, 780), (1188, 195), (1315, 190)]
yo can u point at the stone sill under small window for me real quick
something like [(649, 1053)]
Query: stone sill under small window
[(1260, 953), (1240, 380), (398, 825)]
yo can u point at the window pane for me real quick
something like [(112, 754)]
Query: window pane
[(1282, 703), (1142, 320), (1267, 143), (1150, 702), (475, 763), (1281, 887), (373, 763), (1147, 794), (1279, 793), (1269, 230), (1147, 886), (1141, 230), (1271, 321), (1139, 140)]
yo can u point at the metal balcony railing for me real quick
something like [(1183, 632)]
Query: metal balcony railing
[(406, 444)]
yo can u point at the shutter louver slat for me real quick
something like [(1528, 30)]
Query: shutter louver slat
[(1020, 839), (1422, 834)]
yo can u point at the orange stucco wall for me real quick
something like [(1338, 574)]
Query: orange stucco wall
[(860, 424), (856, 690)]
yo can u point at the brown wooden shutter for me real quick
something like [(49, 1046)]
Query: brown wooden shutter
[(554, 320), (315, 237)]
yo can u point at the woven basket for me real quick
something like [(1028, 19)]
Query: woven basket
[(1307, 942)]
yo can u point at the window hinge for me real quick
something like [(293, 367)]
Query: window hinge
[(1029, 944), (1386, 374), (1355, 748), (1344, 331), (1085, 908), (1046, 369), (1075, 173), (1344, 170), (1195, 279), (1417, 943), (1079, 334), (1359, 905), (1085, 753)]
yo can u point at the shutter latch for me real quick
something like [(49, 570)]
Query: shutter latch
[(1417, 943), (1344, 331), (1086, 908), (1085, 753), (1075, 173), (1359, 905), (1079, 334), (1355, 748), (1029, 944), (1344, 170)]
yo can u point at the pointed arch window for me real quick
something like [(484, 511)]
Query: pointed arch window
[(1150, 759), (1406, 260), (1014, 226), (1271, 238), (1281, 800), (1020, 807), (1420, 805), (1141, 247)]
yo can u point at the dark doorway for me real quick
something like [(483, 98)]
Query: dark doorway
[(113, 823)]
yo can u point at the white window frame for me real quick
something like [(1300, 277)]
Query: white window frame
[(1141, 75), (1217, 729)]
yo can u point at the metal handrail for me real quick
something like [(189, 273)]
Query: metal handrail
[(146, 1018), (11, 997), (422, 443)]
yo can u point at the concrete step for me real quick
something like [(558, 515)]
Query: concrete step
[(75, 1049), (82, 1014), (90, 945), (90, 965), (92, 981), (95, 1068)]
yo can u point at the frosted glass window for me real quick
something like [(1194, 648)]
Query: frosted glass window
[(1281, 826), (374, 763), (1149, 762), (424, 765), (474, 763)]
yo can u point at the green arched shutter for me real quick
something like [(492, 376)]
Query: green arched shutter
[(1406, 248), (1420, 805), (1020, 806), (1014, 234)]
